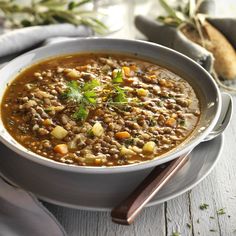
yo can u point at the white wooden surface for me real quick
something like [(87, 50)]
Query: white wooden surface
[(218, 190), (181, 215)]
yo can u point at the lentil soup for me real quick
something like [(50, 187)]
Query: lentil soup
[(99, 110)]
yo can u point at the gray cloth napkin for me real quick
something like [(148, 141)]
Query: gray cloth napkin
[(21, 39), (21, 214)]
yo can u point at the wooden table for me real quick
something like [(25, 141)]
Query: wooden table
[(181, 214)]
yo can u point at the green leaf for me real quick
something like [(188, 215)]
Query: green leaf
[(203, 206), (81, 113), (221, 211), (91, 85), (118, 78), (90, 96), (71, 5), (73, 92), (120, 96), (177, 16)]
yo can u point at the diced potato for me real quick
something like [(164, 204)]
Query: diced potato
[(149, 147), (171, 122), (126, 71), (142, 92), (61, 148), (97, 129), (73, 74), (59, 132), (126, 151), (122, 135), (90, 158), (136, 149)]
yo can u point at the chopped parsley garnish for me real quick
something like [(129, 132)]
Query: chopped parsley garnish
[(221, 211), (203, 206), (73, 91), (175, 234), (90, 85), (129, 142), (84, 95), (90, 96), (189, 225), (120, 95), (118, 78), (90, 133), (81, 113), (182, 122)]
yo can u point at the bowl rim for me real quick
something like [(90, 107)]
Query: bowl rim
[(31, 156)]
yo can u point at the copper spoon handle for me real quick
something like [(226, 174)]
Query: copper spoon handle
[(127, 210)]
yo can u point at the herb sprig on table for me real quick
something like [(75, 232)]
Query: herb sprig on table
[(45, 12)]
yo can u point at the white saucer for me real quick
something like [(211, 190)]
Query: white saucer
[(103, 192)]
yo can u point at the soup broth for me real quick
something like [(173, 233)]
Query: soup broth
[(99, 110)]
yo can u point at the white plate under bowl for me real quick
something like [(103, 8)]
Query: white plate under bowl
[(103, 192)]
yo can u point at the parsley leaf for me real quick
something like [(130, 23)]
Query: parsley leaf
[(120, 96), (203, 206), (90, 85), (118, 78), (73, 91), (83, 95), (175, 234), (221, 211), (81, 113), (90, 96)]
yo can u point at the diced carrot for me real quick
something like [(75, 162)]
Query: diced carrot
[(47, 122), (129, 80), (171, 122), (98, 161), (126, 70), (122, 135), (61, 148), (133, 67)]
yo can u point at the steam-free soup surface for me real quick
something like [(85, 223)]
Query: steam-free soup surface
[(99, 110)]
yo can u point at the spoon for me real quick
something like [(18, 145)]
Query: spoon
[(126, 212)]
